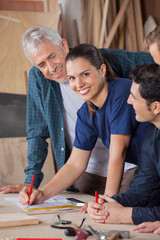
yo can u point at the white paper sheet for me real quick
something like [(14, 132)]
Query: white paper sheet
[(55, 203)]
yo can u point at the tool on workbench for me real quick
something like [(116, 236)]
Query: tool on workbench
[(99, 235), (114, 236), (115, 233), (109, 235)]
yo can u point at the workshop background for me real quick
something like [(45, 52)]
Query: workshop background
[(105, 23)]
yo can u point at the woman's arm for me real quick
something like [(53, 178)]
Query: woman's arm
[(65, 177), (117, 153)]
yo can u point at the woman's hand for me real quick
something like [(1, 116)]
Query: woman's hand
[(37, 196), (84, 208)]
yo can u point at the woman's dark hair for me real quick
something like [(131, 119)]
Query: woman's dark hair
[(94, 57), (148, 76)]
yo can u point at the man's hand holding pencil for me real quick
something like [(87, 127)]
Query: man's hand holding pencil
[(96, 209), (100, 201)]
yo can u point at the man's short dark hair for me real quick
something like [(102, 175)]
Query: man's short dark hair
[(148, 76)]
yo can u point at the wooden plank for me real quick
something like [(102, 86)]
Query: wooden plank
[(52, 6), (63, 31), (116, 23), (13, 63), (139, 25), (102, 7), (110, 19), (121, 31), (46, 6), (114, 43), (132, 27), (18, 219), (17, 5), (83, 22), (103, 27), (96, 22), (89, 23)]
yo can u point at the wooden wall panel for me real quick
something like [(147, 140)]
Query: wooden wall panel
[(13, 63), (13, 160)]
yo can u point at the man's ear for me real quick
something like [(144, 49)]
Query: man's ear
[(156, 107), (65, 45)]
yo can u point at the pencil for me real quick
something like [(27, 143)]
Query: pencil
[(96, 198), (30, 190)]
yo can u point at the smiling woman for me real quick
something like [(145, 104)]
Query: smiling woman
[(87, 77), (83, 79)]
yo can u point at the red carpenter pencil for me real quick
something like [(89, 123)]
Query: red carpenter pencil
[(30, 190), (96, 196)]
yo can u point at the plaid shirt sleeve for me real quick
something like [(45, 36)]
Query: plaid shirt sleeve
[(37, 129), (122, 62)]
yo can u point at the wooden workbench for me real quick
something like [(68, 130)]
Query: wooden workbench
[(43, 229)]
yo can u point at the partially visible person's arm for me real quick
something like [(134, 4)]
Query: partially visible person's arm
[(12, 188), (113, 212), (37, 129), (148, 227), (144, 190), (122, 62), (64, 178), (120, 214), (117, 153), (145, 214)]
